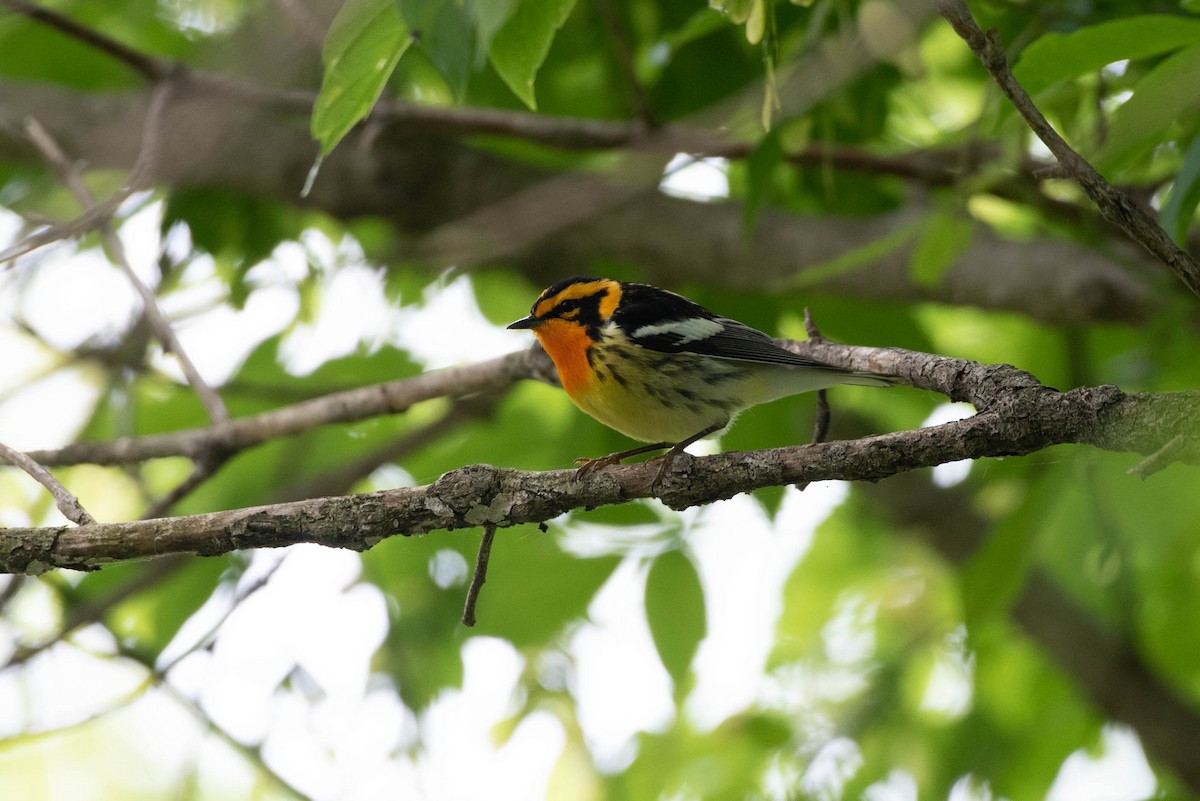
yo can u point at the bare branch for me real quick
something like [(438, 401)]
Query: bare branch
[(205, 468), (480, 575), (73, 180), (1017, 415), (149, 66), (347, 406), (95, 215), (67, 503), (1112, 203)]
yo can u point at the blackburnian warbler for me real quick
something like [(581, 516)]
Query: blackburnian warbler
[(662, 369)]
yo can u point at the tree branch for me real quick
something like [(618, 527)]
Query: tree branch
[(209, 136), (480, 575), (1017, 415), (148, 66), (70, 176), (66, 502), (347, 406), (1112, 203)]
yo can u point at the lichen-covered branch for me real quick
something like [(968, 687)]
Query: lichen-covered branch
[(1017, 415)]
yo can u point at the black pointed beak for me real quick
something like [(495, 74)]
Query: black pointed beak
[(525, 322)]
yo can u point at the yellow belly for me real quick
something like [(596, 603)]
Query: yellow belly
[(647, 418), (652, 396)]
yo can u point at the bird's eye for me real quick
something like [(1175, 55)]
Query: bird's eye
[(568, 305)]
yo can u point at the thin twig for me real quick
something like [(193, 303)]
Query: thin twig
[(619, 37), (71, 178), (480, 575), (94, 611), (241, 433), (823, 416), (1113, 204), (210, 636), (1160, 459), (204, 469), (96, 214), (66, 502), (14, 585), (149, 66)]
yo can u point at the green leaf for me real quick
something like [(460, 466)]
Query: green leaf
[(738, 11), (943, 238), (1159, 99), (1057, 57), (1176, 214), (520, 47), (364, 43), (675, 612), (489, 17), (445, 34)]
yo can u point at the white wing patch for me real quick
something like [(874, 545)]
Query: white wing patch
[(692, 329)]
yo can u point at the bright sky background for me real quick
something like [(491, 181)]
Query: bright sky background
[(336, 732)]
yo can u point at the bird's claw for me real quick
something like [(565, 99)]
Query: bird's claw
[(587, 465)]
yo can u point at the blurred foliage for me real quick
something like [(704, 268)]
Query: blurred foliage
[(888, 654)]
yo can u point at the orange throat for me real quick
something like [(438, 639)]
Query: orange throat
[(567, 344)]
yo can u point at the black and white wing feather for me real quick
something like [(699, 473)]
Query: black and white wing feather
[(670, 323), (722, 338)]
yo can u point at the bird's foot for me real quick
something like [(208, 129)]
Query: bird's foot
[(587, 465)]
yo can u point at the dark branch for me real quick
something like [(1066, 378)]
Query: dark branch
[(151, 67), (479, 576), (1017, 416), (1112, 203)]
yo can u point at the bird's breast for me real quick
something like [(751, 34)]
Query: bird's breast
[(567, 345)]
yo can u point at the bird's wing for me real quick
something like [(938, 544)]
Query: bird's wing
[(722, 338)]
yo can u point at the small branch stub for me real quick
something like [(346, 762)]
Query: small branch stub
[(66, 502), (480, 575)]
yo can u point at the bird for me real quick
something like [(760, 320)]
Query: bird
[(662, 369)]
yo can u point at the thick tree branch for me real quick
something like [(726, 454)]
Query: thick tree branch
[(989, 387), (1112, 203), (1017, 415), (208, 140)]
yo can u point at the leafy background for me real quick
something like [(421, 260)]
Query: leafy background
[(878, 641)]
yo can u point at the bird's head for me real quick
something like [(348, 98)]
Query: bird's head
[(578, 303)]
